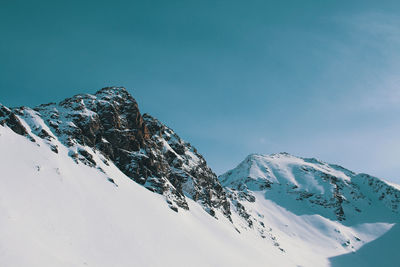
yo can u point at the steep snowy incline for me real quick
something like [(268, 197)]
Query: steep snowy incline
[(56, 212), (147, 151), (298, 202)]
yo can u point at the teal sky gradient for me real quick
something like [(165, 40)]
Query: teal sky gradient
[(312, 78)]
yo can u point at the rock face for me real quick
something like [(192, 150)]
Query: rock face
[(143, 148), (187, 170), (9, 118)]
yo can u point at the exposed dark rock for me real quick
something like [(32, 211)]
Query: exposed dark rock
[(188, 170), (8, 117), (54, 148), (88, 158), (143, 148)]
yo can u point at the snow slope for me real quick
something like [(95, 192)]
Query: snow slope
[(313, 209), (381, 252), (55, 212)]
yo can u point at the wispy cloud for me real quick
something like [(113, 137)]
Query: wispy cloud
[(372, 55), (385, 95), (378, 29)]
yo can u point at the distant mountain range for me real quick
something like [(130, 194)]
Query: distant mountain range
[(90, 181)]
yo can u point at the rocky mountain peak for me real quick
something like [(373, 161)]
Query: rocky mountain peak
[(113, 91), (147, 151), (310, 185)]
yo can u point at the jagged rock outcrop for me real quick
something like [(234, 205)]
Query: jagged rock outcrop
[(9, 118), (143, 148), (188, 171)]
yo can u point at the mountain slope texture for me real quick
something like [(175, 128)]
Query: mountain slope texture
[(90, 181)]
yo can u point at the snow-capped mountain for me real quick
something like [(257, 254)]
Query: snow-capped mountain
[(311, 186), (88, 182), (144, 149), (306, 203)]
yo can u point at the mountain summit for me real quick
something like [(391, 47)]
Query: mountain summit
[(313, 186), (88, 182), (143, 148)]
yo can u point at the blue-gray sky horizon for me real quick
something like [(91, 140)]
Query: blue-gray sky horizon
[(312, 78)]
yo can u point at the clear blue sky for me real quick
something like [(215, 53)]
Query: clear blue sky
[(312, 78)]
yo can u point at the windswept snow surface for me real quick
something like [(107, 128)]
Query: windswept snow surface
[(55, 212)]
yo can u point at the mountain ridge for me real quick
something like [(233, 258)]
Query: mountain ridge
[(110, 121), (281, 200)]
